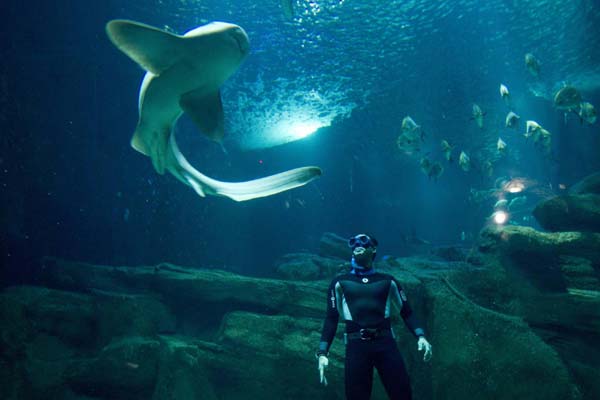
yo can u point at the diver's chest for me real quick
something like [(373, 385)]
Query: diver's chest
[(365, 287)]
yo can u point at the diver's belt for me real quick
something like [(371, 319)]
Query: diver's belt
[(369, 334)]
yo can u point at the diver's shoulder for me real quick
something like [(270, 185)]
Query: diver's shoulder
[(387, 277), (340, 277), (346, 276), (343, 276)]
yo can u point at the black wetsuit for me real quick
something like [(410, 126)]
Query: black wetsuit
[(365, 303)]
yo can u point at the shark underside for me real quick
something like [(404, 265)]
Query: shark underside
[(184, 74)]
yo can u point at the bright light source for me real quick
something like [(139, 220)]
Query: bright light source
[(500, 217), (515, 189), (301, 130), (292, 128), (515, 186)]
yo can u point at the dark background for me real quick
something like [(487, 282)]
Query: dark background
[(71, 186)]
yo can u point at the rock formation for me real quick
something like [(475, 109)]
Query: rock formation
[(577, 211), (170, 332)]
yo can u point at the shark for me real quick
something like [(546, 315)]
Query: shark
[(184, 74)]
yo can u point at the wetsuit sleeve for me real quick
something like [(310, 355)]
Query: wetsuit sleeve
[(406, 312), (331, 320)]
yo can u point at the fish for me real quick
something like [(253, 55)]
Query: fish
[(501, 146), (409, 126), (478, 116), (532, 64), (502, 203), (539, 135), (512, 120), (517, 203), (504, 93), (408, 143), (447, 150), (410, 138), (432, 170), (487, 168), (531, 126), (464, 161), (587, 113), (567, 98), (184, 73), (532, 130)]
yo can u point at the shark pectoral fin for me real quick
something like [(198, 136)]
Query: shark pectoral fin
[(138, 144), (206, 110), (153, 49), (153, 143)]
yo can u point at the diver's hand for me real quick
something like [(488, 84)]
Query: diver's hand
[(423, 344), (323, 363)]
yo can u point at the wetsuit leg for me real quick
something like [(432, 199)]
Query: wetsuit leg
[(392, 371), (358, 370)]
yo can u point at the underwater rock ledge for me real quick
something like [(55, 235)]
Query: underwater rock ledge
[(510, 240), (573, 212), (557, 277), (171, 332), (579, 210)]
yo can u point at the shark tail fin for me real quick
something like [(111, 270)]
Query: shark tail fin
[(153, 49), (269, 185), (238, 191)]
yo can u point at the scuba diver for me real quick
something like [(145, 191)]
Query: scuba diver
[(363, 298)]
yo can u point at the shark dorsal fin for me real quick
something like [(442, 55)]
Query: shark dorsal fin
[(206, 110), (153, 49)]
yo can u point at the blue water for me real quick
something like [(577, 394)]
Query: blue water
[(71, 185)]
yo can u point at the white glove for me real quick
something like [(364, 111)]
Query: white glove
[(423, 344), (323, 363)]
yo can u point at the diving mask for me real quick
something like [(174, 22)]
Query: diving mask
[(361, 240)]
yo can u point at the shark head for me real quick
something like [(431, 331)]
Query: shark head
[(228, 32), (225, 45)]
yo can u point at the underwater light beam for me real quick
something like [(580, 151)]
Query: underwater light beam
[(292, 129), (301, 130)]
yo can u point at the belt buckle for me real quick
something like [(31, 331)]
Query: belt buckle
[(367, 334)]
